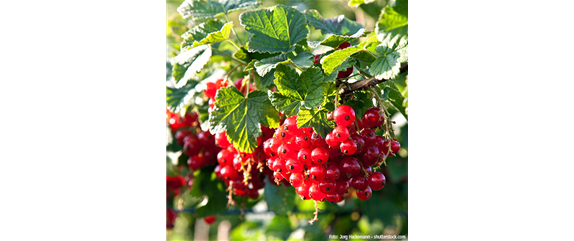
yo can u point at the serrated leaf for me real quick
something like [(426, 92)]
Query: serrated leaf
[(190, 62), (331, 62), (392, 21), (335, 40), (303, 59), (386, 66), (274, 29), (241, 116), (356, 3), (339, 25), (316, 119), (394, 96), (268, 79), (178, 99), (200, 9), (296, 91), (206, 33), (233, 5), (344, 66)]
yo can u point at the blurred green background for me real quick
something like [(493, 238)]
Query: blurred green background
[(385, 213)]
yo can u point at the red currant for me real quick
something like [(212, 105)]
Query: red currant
[(296, 179), (344, 45), (315, 193), (180, 134), (377, 181), (303, 141), (369, 136), (342, 187), (332, 173), (359, 140), (319, 155), (327, 186), (348, 147), (344, 115), (317, 172), (371, 155), (211, 90), (364, 194), (225, 157), (304, 156), (209, 219), (331, 140), (228, 173), (349, 166), (221, 140), (341, 133), (373, 117), (359, 182), (294, 166)]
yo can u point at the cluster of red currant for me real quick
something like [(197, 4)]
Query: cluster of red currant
[(325, 169)]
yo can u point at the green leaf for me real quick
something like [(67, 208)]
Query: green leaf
[(206, 33), (178, 99), (356, 3), (303, 59), (339, 25), (241, 116), (392, 21), (200, 9), (274, 29), (402, 7), (391, 93), (392, 51), (361, 103), (268, 79), (190, 62), (234, 5), (345, 65), (296, 91), (316, 119), (280, 199), (279, 227), (335, 40), (334, 60), (216, 203)]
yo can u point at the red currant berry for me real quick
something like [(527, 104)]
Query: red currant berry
[(359, 140), (209, 219), (344, 45), (316, 59), (253, 194), (205, 138), (211, 90), (217, 171), (180, 134), (327, 186), (369, 136), (228, 173), (341, 187), (225, 157), (191, 146), (315, 193), (365, 194), (294, 166), (303, 141), (303, 190), (359, 182), (317, 140), (332, 197), (296, 179), (331, 140), (170, 218), (377, 181), (371, 155), (317, 172), (348, 147), (395, 146), (373, 117), (221, 140), (341, 133), (279, 166), (345, 73), (320, 155), (349, 166), (304, 156), (332, 173), (344, 115), (267, 147), (277, 176)]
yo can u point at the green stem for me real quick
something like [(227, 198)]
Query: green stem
[(229, 57), (229, 74), (297, 67), (369, 52), (233, 30), (364, 73), (234, 45)]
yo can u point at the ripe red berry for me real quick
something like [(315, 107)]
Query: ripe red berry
[(332, 173), (195, 162), (315, 193), (319, 155), (331, 140), (290, 125), (317, 172), (180, 134), (294, 166), (344, 115), (342, 187), (365, 194), (221, 140), (205, 138), (228, 173), (225, 157), (191, 146), (359, 140), (211, 90), (349, 166), (332, 197), (345, 73), (317, 59), (317, 140), (267, 147), (395, 147), (303, 141), (348, 147), (377, 181), (279, 166), (253, 194), (304, 156), (327, 186), (359, 182), (209, 219), (373, 117), (344, 45), (371, 155), (341, 133), (296, 179), (303, 190), (369, 135), (170, 218)]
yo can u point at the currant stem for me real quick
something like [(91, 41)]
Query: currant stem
[(229, 57), (229, 74), (316, 213), (233, 31), (234, 44)]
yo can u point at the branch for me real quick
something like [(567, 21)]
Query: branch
[(370, 82)]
